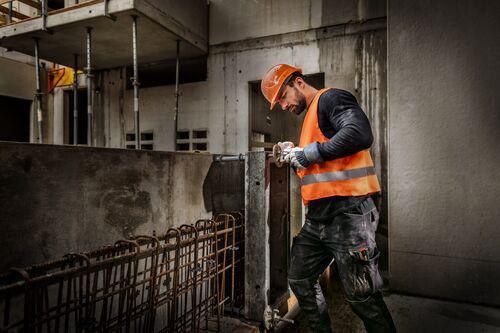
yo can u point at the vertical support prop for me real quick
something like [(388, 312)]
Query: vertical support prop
[(89, 75), (176, 108), (10, 12), (38, 93), (135, 83), (44, 15), (75, 101)]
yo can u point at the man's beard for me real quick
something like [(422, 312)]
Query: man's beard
[(302, 102)]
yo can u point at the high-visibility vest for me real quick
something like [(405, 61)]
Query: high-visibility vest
[(353, 175)]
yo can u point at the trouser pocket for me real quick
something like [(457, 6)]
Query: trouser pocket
[(360, 275)]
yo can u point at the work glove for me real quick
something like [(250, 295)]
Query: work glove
[(302, 158), (297, 159), (281, 149)]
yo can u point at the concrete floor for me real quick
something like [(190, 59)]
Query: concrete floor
[(412, 314)]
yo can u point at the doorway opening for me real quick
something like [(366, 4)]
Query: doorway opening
[(14, 119)]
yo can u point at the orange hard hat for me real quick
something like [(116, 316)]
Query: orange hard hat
[(274, 79)]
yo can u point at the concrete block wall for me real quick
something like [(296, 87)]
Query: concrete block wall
[(444, 124)]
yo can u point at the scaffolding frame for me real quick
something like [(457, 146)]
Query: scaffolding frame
[(43, 13)]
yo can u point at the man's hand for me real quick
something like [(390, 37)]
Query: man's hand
[(281, 150), (297, 159), (302, 158)]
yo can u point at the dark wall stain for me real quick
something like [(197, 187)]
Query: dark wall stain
[(126, 208)]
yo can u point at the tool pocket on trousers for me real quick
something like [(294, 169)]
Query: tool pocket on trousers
[(374, 214), (366, 279)]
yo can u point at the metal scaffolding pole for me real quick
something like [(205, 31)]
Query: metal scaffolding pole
[(75, 101), (44, 15), (135, 83), (176, 108), (38, 94), (88, 70), (10, 13)]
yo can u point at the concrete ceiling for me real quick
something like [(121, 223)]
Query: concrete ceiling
[(111, 40)]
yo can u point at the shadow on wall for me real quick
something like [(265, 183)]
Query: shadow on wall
[(224, 187)]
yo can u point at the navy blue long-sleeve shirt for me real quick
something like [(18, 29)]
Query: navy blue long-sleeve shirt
[(341, 119)]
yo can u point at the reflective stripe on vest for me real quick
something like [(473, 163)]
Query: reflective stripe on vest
[(337, 175), (353, 175)]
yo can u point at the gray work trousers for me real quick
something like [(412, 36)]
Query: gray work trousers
[(349, 240)]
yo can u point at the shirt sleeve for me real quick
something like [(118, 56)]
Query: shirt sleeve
[(350, 127)]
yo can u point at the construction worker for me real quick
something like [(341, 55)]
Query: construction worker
[(337, 178)]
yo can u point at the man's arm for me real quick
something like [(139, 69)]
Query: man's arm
[(339, 113)]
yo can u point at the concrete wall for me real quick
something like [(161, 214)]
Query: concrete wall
[(320, 39), (157, 107), (57, 199), (238, 20), (17, 75), (444, 125), (354, 61), (114, 116), (191, 15)]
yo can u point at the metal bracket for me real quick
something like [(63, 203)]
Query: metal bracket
[(106, 11), (272, 318), (228, 158), (211, 263), (88, 71), (134, 81), (195, 269)]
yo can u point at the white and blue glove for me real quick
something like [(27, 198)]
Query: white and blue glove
[(302, 158), (281, 150)]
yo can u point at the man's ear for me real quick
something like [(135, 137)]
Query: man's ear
[(300, 82)]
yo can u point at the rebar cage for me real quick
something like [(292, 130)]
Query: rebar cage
[(182, 281)]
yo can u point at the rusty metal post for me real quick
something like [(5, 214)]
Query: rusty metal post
[(75, 101), (38, 93), (176, 108), (89, 75), (135, 83)]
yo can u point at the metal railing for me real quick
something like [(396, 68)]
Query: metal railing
[(183, 281)]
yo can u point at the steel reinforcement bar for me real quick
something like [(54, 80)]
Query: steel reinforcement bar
[(182, 281)]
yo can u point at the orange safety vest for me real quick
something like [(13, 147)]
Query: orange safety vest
[(353, 175)]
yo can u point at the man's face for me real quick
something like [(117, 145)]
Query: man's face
[(292, 99)]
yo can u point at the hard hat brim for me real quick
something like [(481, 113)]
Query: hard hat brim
[(285, 82)]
